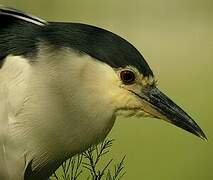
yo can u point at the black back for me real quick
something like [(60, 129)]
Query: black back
[(19, 37)]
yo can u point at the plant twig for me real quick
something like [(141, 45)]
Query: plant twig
[(90, 160)]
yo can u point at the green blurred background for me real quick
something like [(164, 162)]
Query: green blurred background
[(176, 38)]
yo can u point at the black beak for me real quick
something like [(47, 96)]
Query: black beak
[(165, 108)]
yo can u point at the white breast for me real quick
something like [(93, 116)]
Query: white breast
[(13, 83), (58, 110)]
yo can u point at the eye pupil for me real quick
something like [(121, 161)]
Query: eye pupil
[(127, 76)]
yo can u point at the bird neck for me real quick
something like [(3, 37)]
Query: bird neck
[(56, 123), (52, 121)]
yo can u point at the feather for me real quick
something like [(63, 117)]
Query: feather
[(12, 165), (5, 11), (3, 131)]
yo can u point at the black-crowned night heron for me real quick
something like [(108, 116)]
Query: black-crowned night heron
[(62, 86)]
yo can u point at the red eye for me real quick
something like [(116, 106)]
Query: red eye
[(127, 76)]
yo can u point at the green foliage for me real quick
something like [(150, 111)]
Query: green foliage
[(88, 164)]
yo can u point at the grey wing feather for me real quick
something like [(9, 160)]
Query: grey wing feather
[(3, 132), (10, 12), (12, 166)]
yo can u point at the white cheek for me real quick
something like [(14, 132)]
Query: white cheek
[(98, 81)]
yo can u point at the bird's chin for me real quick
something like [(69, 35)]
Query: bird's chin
[(133, 112)]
